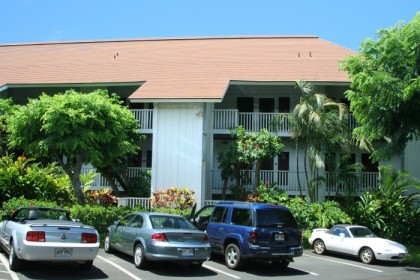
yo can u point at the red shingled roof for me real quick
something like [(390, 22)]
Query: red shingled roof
[(186, 68)]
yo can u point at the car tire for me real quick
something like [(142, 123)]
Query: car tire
[(366, 255), (233, 257), (107, 244), (140, 260), (86, 265), (319, 247), (14, 262), (196, 265)]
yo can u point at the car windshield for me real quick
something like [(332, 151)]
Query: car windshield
[(170, 222), (361, 232), (274, 218)]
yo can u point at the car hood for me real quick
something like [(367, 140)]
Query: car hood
[(384, 243)]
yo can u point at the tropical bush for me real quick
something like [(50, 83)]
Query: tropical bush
[(268, 193), (27, 178), (102, 197), (173, 198), (390, 211), (139, 186), (12, 204), (317, 214)]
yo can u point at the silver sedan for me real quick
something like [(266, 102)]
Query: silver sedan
[(158, 237)]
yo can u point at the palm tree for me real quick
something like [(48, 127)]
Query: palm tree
[(318, 125)]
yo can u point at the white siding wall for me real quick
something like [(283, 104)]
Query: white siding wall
[(177, 147)]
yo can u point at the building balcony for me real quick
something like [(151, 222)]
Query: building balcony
[(278, 123), (145, 118), (354, 183)]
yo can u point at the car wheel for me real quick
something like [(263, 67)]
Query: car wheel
[(107, 244), (281, 264), (366, 255), (14, 262), (233, 257), (319, 247), (140, 260), (86, 265), (196, 265)]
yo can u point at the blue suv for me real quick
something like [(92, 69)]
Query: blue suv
[(243, 231)]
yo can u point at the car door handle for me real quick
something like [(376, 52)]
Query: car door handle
[(220, 229)]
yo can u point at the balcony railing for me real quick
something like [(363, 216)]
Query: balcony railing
[(145, 117), (100, 182), (226, 120), (354, 183)]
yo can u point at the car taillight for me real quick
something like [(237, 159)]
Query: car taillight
[(159, 237), (253, 236), (35, 236), (206, 239), (89, 237)]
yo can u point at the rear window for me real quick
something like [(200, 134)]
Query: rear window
[(274, 218), (170, 222)]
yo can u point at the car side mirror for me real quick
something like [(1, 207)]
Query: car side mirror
[(117, 222), (342, 235)]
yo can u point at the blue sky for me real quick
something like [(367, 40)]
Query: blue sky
[(344, 22)]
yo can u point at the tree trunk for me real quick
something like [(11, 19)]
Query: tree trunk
[(257, 173), (77, 187), (112, 183), (225, 183)]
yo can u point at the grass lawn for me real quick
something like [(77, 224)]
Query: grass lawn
[(413, 257)]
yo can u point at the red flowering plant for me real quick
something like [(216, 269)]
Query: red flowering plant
[(173, 198), (102, 197)]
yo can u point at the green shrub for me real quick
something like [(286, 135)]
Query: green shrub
[(12, 204), (317, 214), (389, 211), (98, 216), (268, 193), (25, 177), (139, 186)]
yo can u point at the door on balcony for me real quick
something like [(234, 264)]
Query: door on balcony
[(266, 109), (283, 167), (245, 107)]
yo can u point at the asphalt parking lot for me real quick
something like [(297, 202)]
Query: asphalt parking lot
[(309, 266)]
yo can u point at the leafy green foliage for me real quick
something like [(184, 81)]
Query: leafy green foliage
[(25, 178), (74, 128), (174, 197), (12, 204), (317, 214), (389, 211), (140, 185), (268, 193), (385, 89)]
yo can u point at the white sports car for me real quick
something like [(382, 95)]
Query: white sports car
[(357, 241), (47, 234)]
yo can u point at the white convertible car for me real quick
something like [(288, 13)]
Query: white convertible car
[(47, 234), (357, 241)]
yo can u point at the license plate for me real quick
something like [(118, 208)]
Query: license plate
[(63, 252), (279, 237), (187, 252)]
